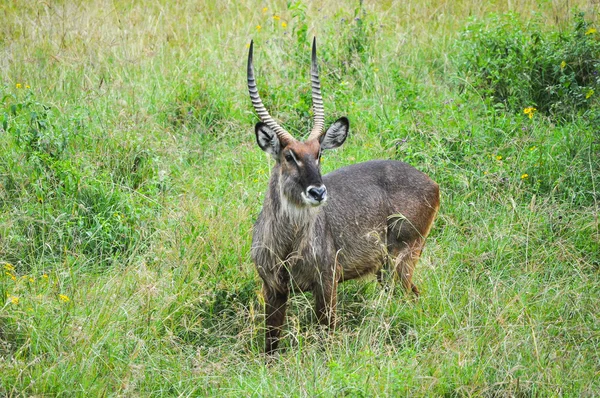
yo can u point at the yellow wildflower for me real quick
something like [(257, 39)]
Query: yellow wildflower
[(258, 27), (276, 17), (19, 85), (563, 65), (524, 176), (589, 93), (283, 25), (529, 111), (31, 280), (13, 299), (63, 298), (265, 9), (590, 31), (27, 86), (498, 157), (533, 148), (9, 267)]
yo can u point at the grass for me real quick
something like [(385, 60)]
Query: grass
[(130, 179)]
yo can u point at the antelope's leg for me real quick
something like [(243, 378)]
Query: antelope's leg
[(275, 306), (405, 264), (325, 301)]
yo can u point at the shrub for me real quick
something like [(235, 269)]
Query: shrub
[(520, 65)]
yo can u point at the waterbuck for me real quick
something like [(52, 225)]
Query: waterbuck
[(315, 231)]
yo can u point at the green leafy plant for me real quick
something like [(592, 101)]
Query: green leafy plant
[(300, 27), (520, 65)]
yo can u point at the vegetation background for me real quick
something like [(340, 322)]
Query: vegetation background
[(130, 179)]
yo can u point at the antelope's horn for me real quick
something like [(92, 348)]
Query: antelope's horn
[(317, 99), (258, 105)]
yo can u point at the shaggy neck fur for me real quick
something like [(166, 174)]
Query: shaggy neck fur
[(284, 223)]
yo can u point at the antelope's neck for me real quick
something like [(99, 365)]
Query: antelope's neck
[(287, 213), (284, 224)]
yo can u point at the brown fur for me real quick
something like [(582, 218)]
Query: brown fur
[(375, 209), (316, 231)]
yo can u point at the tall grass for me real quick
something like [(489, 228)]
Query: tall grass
[(129, 182)]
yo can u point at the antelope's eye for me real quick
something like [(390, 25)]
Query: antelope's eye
[(289, 157)]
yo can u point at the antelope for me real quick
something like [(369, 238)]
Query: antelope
[(315, 231)]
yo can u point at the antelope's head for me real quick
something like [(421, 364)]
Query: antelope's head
[(300, 162)]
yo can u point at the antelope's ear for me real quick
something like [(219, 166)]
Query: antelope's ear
[(336, 134), (266, 139)]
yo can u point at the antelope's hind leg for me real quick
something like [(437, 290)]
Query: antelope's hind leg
[(404, 245), (405, 262)]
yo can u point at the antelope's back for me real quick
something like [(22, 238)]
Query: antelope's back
[(365, 198)]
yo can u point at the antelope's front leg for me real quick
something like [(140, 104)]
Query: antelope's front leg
[(275, 306), (325, 301)]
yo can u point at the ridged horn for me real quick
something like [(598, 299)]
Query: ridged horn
[(317, 99), (258, 105)]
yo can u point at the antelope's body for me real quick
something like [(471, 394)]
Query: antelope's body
[(315, 231)]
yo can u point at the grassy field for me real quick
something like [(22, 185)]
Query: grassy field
[(130, 180)]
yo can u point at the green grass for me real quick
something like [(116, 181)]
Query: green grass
[(130, 179)]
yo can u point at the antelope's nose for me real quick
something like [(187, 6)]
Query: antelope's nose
[(318, 193)]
